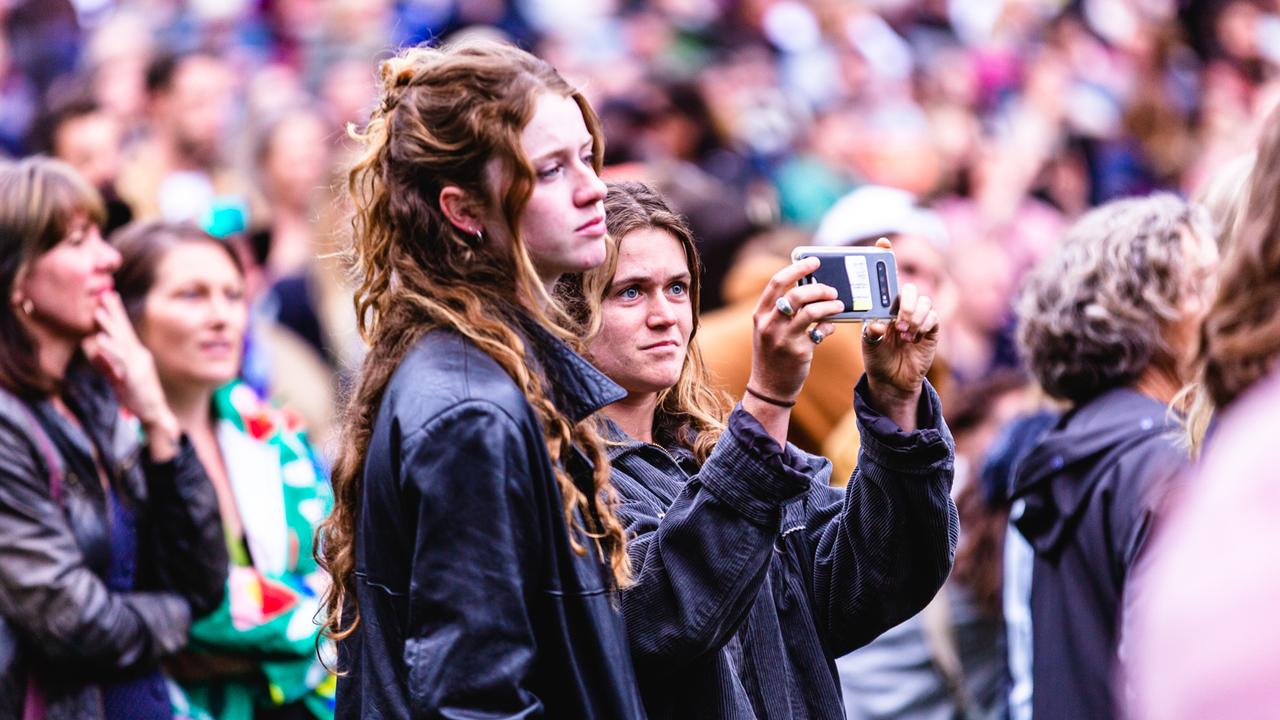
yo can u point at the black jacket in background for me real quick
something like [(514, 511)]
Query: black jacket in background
[(1084, 498), (752, 574), (74, 633), (472, 602)]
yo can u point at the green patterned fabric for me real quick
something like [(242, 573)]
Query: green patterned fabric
[(274, 587)]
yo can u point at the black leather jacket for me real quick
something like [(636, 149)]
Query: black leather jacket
[(472, 602), (72, 632)]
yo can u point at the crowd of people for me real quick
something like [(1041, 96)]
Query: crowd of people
[(435, 359)]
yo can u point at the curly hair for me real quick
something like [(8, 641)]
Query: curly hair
[(1093, 316), (1240, 337), (692, 412), (446, 117)]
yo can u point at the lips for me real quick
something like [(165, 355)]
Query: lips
[(662, 344), (217, 347), (594, 226)]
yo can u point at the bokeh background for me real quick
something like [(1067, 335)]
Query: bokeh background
[(1005, 119)]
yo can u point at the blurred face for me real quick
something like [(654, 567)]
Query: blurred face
[(563, 223), (63, 287), (91, 145), (199, 107), (920, 263), (984, 277), (1200, 286), (297, 161), (193, 320), (646, 315)]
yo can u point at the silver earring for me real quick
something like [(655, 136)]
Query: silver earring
[(479, 236), (27, 306)]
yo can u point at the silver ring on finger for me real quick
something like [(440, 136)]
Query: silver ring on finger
[(816, 336), (784, 306), (871, 340)]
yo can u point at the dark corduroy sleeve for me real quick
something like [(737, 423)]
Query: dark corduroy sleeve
[(883, 547), (699, 564)]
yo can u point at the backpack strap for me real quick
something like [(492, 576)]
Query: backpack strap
[(43, 443)]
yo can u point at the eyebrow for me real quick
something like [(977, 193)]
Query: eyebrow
[(628, 280), (588, 143)]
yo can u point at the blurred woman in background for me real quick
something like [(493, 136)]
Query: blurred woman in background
[(1107, 324), (109, 546), (255, 656)]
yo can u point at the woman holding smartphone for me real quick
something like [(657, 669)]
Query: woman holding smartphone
[(474, 546), (752, 574)]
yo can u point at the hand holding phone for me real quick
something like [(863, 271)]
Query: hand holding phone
[(866, 279)]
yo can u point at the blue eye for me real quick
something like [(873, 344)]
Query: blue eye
[(550, 172), (630, 293), (679, 288)]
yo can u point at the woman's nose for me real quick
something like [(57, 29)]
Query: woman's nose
[(592, 189), (661, 314), (108, 257)]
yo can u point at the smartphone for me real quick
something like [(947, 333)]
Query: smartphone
[(865, 277)]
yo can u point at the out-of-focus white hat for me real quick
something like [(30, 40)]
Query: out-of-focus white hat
[(875, 210)]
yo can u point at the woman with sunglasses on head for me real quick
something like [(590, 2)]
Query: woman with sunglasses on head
[(751, 574), (474, 546)]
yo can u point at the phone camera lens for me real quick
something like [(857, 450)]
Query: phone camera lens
[(882, 275)]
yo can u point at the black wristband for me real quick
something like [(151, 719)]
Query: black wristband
[(771, 401)]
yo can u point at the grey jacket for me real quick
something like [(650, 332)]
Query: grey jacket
[(71, 633)]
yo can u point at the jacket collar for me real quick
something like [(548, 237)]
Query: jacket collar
[(574, 384), (617, 442)]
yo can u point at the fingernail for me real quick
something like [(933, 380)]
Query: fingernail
[(902, 325)]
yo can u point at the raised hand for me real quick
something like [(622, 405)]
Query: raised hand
[(898, 354), (116, 352), (784, 340)]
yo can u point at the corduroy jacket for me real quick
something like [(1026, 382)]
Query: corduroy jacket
[(752, 574)]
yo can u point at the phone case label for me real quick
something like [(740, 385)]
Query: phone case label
[(859, 282)]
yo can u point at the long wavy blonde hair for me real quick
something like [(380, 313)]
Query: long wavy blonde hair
[(445, 117), (692, 412)]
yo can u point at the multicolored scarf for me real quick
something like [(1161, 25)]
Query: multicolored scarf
[(274, 587)]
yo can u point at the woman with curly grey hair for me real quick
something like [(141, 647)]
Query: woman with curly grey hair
[(1107, 325)]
